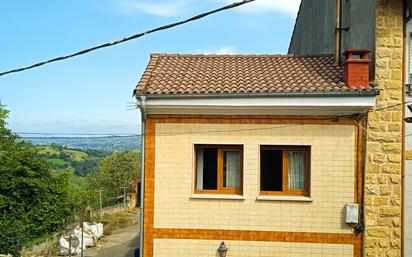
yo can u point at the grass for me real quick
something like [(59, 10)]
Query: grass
[(49, 150), (116, 220), (76, 155), (54, 161)]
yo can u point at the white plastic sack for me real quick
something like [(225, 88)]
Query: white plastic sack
[(100, 230), (88, 238), (64, 245), (95, 228)]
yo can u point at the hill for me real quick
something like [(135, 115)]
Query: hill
[(101, 143), (82, 162)]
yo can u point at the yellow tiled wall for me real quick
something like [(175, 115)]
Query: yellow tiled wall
[(202, 248), (332, 169)]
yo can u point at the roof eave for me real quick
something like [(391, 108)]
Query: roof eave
[(272, 94)]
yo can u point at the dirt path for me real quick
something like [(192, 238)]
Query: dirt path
[(121, 243)]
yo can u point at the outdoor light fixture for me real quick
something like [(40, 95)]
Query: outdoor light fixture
[(409, 119), (222, 249)]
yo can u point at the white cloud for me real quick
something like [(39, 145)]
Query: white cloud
[(157, 8), (171, 8), (287, 7), (217, 50)]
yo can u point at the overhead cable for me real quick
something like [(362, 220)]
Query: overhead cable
[(135, 36)]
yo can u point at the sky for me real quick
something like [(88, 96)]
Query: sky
[(93, 93)]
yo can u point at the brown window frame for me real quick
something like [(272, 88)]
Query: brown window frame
[(285, 172), (220, 189)]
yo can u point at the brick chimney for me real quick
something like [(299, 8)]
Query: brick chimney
[(356, 68)]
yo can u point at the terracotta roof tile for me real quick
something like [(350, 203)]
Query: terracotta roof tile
[(252, 74)]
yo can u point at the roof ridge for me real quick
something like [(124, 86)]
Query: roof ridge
[(238, 55)]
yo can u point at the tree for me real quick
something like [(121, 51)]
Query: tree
[(33, 199), (116, 170)]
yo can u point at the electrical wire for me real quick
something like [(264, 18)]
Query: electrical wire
[(163, 134), (390, 106), (135, 36), (158, 134), (76, 134)]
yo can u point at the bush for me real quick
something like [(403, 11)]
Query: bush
[(34, 201)]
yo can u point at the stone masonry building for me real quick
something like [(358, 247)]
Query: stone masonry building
[(380, 27)]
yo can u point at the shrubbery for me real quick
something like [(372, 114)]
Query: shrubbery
[(34, 201)]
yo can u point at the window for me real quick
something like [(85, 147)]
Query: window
[(284, 170), (218, 169)]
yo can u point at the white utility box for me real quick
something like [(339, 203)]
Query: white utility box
[(352, 210)]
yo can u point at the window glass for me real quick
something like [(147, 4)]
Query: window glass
[(271, 170), (218, 169), (284, 170), (207, 168), (296, 170), (231, 169)]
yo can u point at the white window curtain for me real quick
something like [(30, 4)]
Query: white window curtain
[(231, 169), (199, 169), (297, 174)]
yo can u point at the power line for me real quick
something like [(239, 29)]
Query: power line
[(172, 134), (228, 130), (168, 134), (70, 138), (77, 134), (158, 134), (390, 106), (135, 36)]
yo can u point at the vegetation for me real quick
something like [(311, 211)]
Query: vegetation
[(42, 188), (63, 158), (117, 219), (34, 201), (116, 171), (108, 144)]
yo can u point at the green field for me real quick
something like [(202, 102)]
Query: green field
[(61, 158)]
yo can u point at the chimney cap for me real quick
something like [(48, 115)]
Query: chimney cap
[(356, 51), (362, 53)]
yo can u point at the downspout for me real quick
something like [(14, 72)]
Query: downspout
[(141, 104), (403, 159), (338, 31), (364, 123)]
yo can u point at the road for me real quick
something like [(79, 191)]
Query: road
[(121, 243)]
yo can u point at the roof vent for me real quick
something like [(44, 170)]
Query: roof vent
[(356, 68)]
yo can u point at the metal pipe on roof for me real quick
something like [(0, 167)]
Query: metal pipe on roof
[(338, 31)]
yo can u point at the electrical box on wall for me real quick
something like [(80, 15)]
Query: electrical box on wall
[(352, 211)]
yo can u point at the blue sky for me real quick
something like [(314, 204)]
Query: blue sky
[(91, 93)]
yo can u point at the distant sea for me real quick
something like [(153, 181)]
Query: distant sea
[(98, 142)]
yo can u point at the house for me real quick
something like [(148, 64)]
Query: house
[(384, 27), (135, 193), (259, 154)]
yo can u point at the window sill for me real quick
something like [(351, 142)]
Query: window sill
[(284, 198), (217, 196)]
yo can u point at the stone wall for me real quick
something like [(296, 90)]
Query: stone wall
[(384, 146)]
